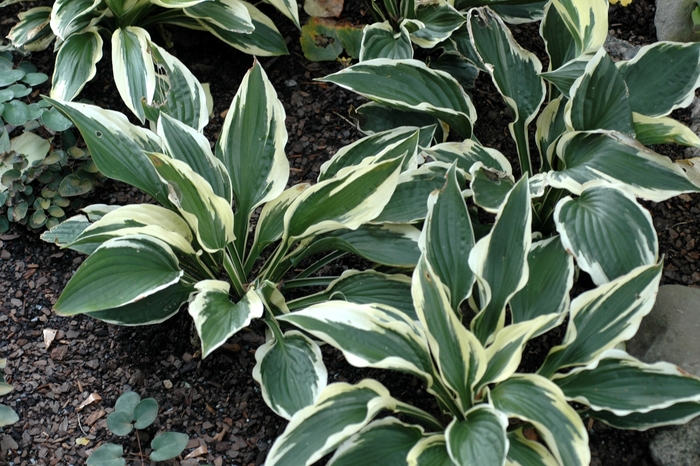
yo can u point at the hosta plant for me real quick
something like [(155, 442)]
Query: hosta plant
[(131, 413), (8, 416), (477, 303), (81, 27)]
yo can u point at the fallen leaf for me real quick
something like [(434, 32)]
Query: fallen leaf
[(82, 441), (323, 8), (531, 434), (94, 417), (220, 436), (49, 336), (89, 400), (199, 451)]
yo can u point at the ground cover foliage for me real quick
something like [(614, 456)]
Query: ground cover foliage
[(461, 318)]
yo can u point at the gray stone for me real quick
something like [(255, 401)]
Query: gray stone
[(670, 331), (620, 49), (691, 152), (677, 447), (673, 21)]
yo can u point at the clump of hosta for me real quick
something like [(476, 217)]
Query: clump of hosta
[(8, 416), (131, 413)]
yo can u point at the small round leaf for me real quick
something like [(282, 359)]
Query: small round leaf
[(8, 416), (168, 445), (119, 423), (5, 63), (108, 454), (19, 211), (27, 67), (6, 94), (10, 76), (20, 90), (16, 113), (34, 79), (38, 219), (54, 121), (127, 402), (145, 413), (73, 185), (56, 211)]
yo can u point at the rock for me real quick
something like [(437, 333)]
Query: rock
[(677, 447), (669, 333), (673, 21), (620, 49)]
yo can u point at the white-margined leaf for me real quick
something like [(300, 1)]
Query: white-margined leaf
[(616, 158), (184, 143), (32, 31), (133, 69), (177, 4), (679, 413), (467, 153), (209, 215), (230, 15), (373, 117), (71, 16), (662, 77), (75, 64), (439, 20), (558, 39), (290, 372), (514, 71), (410, 85), (600, 384), (515, 12), (550, 125), (499, 261), (587, 22), (288, 8), (566, 75), (386, 441), (448, 238), (489, 187), (216, 317), (663, 130), (603, 246), (121, 271), (458, 354), (379, 40), (480, 438), (599, 98), (525, 452), (603, 317), (539, 401), (429, 451)]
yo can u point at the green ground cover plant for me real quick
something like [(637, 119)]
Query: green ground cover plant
[(8, 416)]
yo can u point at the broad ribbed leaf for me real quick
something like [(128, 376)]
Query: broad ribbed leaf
[(599, 98), (524, 452), (132, 67), (229, 15), (374, 117), (616, 158), (558, 39), (602, 245), (478, 439), (288, 8), (175, 3), (679, 413), (517, 12), (550, 125), (603, 317), (184, 143), (369, 335), (216, 317), (410, 85), (209, 215), (32, 31), (438, 20), (539, 401), (489, 187), (290, 372), (514, 72), (251, 146), (429, 451), (467, 153), (623, 385), (448, 238), (380, 41), (587, 22), (121, 271), (663, 130), (386, 442), (550, 280), (75, 64), (499, 261), (316, 430), (662, 77), (71, 16), (565, 76), (459, 356)]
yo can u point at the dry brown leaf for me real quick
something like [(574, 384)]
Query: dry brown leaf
[(199, 451), (323, 8), (94, 417), (94, 397), (220, 436), (49, 336)]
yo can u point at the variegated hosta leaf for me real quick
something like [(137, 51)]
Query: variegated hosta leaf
[(525, 452), (515, 12), (605, 247), (121, 271), (429, 451), (369, 335), (209, 215), (679, 413), (251, 146), (178, 92), (288, 8), (539, 401), (565, 76), (438, 20), (120, 7), (599, 98), (176, 3), (603, 317), (410, 85), (662, 77), (230, 15), (499, 261), (340, 411), (648, 386), (32, 31), (467, 153), (558, 39), (272, 298), (448, 238), (67, 231), (216, 317), (132, 67), (547, 289), (489, 187), (587, 22), (117, 146), (392, 245), (663, 130), (75, 64), (264, 41), (379, 40), (550, 125), (386, 441), (616, 158), (373, 117), (345, 202), (478, 439), (290, 372), (366, 148), (71, 16), (184, 143), (459, 356), (514, 71)]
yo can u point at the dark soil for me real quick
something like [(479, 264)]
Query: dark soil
[(215, 401)]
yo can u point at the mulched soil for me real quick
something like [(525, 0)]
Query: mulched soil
[(215, 401)]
